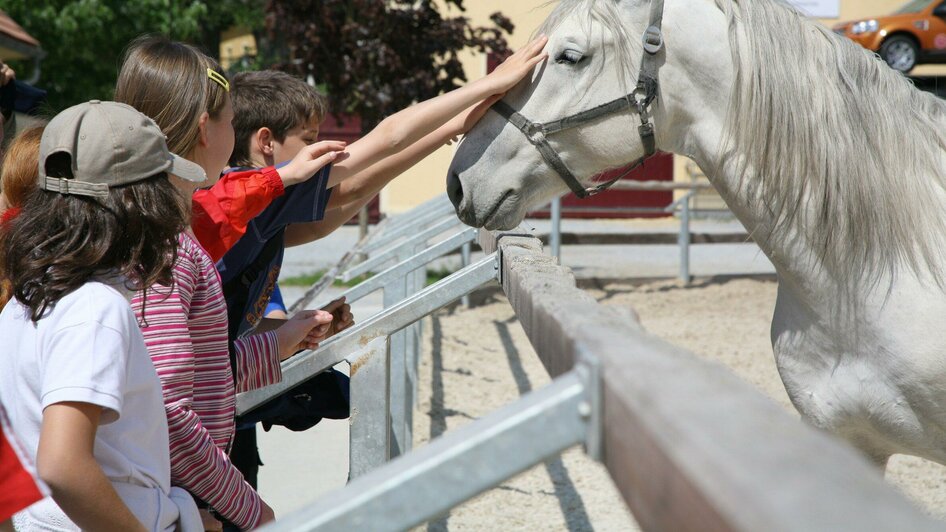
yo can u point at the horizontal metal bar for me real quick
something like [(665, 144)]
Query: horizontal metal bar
[(329, 277), (392, 234), (439, 204), (402, 268), (455, 467), (659, 185), (389, 254), (307, 364)]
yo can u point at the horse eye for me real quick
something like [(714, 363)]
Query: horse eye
[(572, 57)]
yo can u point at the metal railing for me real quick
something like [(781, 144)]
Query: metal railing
[(681, 206), (384, 350), (689, 445)]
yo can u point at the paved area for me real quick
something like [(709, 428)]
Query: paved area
[(301, 466), (601, 261)]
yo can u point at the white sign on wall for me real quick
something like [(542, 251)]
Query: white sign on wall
[(818, 8)]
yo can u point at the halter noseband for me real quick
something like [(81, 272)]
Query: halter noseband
[(639, 100)]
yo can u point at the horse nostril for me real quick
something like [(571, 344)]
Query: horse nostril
[(454, 189)]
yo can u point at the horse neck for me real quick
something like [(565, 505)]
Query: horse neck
[(696, 90), (797, 172)]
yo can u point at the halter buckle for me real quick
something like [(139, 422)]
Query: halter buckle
[(653, 40), (646, 129)]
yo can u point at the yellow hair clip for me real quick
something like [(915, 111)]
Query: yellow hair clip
[(217, 77)]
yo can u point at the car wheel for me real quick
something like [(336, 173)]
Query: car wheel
[(900, 52)]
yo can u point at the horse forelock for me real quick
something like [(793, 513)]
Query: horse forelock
[(607, 14), (844, 149)]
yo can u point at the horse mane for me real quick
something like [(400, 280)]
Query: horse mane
[(837, 145)]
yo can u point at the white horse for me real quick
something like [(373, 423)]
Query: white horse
[(834, 162)]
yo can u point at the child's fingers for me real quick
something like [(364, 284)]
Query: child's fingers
[(311, 346), (533, 47), (325, 152), (320, 162), (317, 317), (326, 146), (537, 59), (336, 304), (313, 337)]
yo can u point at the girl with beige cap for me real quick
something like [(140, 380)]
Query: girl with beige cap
[(76, 378)]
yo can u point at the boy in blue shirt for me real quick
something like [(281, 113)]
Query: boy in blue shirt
[(276, 116)]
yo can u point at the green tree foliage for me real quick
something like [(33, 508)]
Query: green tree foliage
[(376, 57), (85, 39)]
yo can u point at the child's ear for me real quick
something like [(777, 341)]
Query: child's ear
[(202, 127), (265, 141)]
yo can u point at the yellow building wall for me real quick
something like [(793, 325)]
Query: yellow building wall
[(235, 43)]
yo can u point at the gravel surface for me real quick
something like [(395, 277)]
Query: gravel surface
[(479, 359), (474, 362)]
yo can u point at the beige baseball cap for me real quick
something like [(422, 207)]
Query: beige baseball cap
[(108, 144)]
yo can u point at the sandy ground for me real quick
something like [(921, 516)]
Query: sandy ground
[(476, 360)]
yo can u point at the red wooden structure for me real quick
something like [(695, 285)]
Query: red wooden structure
[(620, 203), (348, 128)]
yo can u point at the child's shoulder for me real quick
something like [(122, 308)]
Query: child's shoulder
[(191, 254), (105, 302)]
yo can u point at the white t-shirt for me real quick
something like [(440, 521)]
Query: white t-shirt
[(89, 349)]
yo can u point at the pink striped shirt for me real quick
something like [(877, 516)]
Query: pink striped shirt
[(185, 329)]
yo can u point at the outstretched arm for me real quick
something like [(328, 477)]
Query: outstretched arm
[(400, 130), (349, 196)]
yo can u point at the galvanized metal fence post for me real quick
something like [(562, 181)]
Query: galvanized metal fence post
[(369, 437), (395, 292), (684, 238), (414, 339), (465, 252), (555, 235)]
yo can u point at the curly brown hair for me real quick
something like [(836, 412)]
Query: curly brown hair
[(60, 242)]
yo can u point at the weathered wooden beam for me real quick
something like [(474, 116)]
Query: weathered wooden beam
[(690, 445)]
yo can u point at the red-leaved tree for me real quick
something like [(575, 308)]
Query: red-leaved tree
[(376, 57)]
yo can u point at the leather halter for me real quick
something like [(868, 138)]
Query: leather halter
[(639, 100)]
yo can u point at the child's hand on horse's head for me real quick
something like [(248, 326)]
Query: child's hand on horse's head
[(310, 160), (302, 331), (517, 66)]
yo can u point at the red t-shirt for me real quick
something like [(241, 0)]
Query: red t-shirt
[(18, 485)]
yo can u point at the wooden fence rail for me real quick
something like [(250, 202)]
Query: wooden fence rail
[(689, 444)]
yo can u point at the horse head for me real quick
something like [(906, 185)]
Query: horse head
[(595, 53)]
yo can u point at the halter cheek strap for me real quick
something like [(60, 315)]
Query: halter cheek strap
[(640, 100)]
